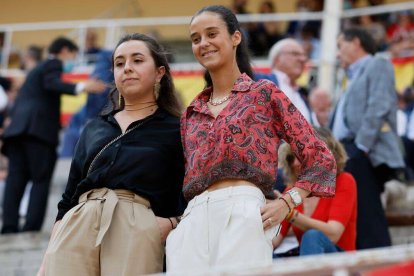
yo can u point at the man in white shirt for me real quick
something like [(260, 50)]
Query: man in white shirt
[(287, 58)]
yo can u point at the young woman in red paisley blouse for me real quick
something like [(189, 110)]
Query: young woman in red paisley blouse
[(231, 133)]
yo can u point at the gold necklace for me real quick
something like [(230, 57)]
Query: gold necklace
[(136, 109), (218, 101), (139, 103)]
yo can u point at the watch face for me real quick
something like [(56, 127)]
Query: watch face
[(295, 197)]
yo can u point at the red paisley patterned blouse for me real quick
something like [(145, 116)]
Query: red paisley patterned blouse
[(243, 141)]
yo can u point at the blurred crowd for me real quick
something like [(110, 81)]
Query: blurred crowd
[(392, 32)]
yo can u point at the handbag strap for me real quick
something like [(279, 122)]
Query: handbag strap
[(110, 143)]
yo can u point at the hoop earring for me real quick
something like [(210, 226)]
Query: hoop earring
[(157, 88)]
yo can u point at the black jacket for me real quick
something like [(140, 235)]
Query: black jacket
[(36, 111)]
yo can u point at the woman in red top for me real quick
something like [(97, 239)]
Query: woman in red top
[(323, 225), (231, 133)]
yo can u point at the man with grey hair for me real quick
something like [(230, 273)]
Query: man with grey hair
[(287, 58)]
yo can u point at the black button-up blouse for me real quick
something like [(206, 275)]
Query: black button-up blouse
[(147, 161)]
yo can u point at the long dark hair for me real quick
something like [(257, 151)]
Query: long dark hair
[(242, 54), (167, 97)]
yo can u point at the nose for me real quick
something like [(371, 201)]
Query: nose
[(127, 67), (204, 42)]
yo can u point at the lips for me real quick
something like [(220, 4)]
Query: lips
[(129, 79), (208, 53)]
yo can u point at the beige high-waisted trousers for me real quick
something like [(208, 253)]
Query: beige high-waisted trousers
[(110, 232)]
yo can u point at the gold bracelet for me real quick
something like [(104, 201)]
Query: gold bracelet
[(287, 204)]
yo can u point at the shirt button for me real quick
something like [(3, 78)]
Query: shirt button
[(112, 162), (117, 145)]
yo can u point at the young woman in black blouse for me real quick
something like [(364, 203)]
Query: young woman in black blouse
[(124, 186)]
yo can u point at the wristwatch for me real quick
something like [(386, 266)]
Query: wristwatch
[(296, 199)]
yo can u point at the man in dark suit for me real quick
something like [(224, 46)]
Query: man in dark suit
[(365, 122), (31, 138)]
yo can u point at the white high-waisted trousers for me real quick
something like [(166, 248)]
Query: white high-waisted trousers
[(221, 229)]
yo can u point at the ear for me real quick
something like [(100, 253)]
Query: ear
[(236, 37), (160, 73)]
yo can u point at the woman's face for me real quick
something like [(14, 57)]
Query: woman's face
[(135, 72), (212, 45)]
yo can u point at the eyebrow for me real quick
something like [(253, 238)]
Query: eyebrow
[(207, 29), (133, 54)]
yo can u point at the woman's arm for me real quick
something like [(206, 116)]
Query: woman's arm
[(332, 229), (166, 225)]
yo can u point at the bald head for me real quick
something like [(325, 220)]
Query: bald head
[(320, 101)]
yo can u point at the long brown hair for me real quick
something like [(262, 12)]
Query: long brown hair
[(167, 97)]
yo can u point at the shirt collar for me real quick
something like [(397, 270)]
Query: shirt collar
[(356, 66), (242, 84), (284, 78)]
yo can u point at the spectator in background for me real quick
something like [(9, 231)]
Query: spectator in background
[(33, 134), (365, 122), (287, 58), (31, 58), (240, 7), (310, 41), (406, 128), (91, 46), (400, 35), (322, 225), (375, 29), (295, 27), (264, 34), (320, 102), (94, 104)]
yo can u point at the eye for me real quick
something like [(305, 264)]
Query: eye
[(138, 60), (212, 34), (195, 40), (119, 64)]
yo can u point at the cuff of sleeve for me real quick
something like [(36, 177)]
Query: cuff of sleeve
[(316, 189), (79, 87)]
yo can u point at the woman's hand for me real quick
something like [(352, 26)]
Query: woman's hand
[(165, 228), (273, 213)]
